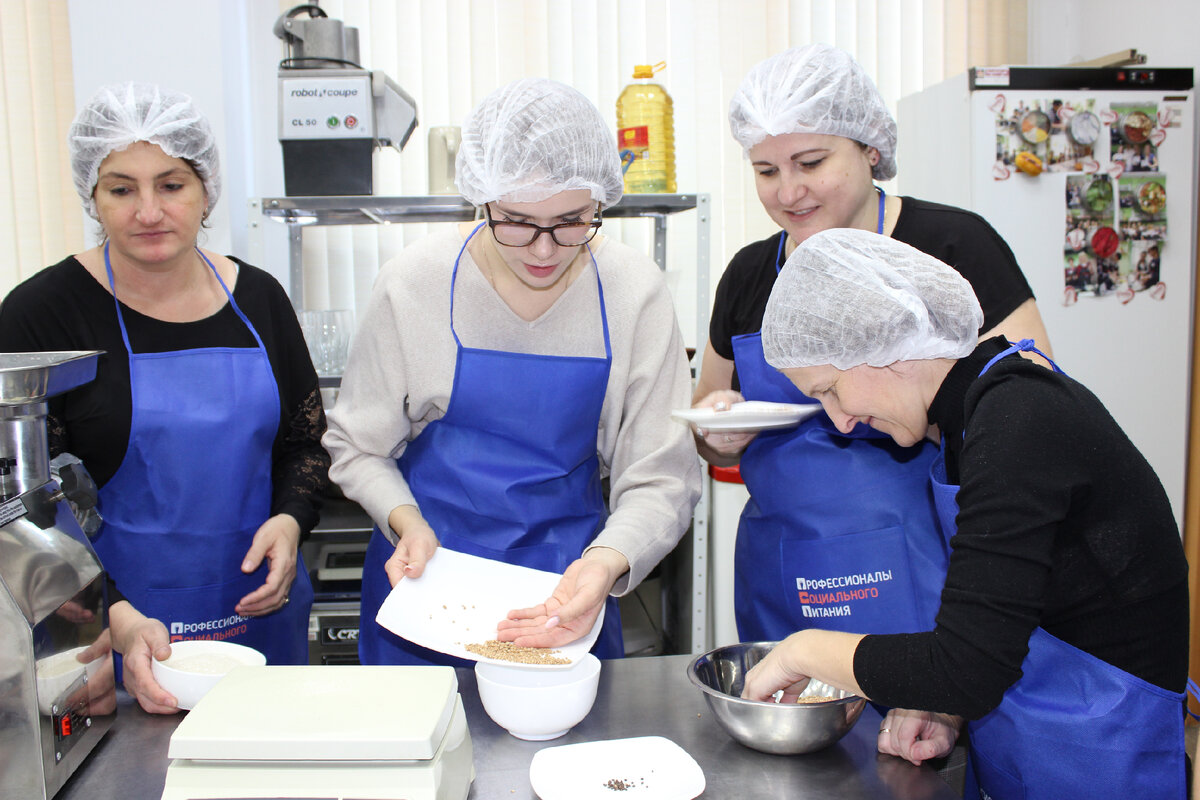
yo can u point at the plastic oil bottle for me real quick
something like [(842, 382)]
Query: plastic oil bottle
[(646, 133)]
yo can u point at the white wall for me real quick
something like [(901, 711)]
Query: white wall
[(1063, 31)]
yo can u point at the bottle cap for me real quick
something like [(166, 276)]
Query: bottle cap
[(648, 70)]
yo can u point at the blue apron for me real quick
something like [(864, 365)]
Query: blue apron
[(510, 473), (1072, 725), (193, 489), (840, 530)]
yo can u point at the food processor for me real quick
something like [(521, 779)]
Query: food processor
[(333, 112)]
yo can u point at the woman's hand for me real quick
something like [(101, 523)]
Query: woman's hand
[(417, 544), (277, 540), (778, 671), (918, 735), (139, 638), (827, 656), (569, 613), (725, 448)]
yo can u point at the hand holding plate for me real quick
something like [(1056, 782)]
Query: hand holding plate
[(569, 613), (417, 544)]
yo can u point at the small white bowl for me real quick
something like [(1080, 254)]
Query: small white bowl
[(196, 666), (538, 704)]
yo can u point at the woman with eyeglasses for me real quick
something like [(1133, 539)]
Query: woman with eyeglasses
[(503, 369)]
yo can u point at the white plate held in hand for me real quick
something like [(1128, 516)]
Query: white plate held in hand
[(750, 415), (460, 598), (643, 767)]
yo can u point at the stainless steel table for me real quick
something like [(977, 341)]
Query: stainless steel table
[(637, 697)]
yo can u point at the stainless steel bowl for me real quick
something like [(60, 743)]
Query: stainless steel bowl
[(781, 728)]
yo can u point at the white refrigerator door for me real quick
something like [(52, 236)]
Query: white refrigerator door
[(1134, 354)]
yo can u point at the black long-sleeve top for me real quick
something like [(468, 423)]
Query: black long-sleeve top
[(64, 308), (1062, 524)]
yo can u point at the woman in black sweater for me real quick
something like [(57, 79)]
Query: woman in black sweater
[(818, 136), (1062, 632), (202, 428)]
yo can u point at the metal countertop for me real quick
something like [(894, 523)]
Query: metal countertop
[(637, 697)]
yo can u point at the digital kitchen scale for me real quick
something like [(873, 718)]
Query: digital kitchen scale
[(318, 732)]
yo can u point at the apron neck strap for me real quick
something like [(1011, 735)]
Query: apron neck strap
[(599, 289), (112, 286), (878, 229), (1025, 345)]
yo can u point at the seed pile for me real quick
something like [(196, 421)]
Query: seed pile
[(623, 784), (507, 651)]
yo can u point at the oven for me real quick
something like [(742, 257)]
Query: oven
[(334, 554), (333, 633)]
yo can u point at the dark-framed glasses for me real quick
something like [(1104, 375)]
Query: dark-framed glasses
[(523, 234)]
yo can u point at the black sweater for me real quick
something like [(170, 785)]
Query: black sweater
[(1062, 524), (64, 308)]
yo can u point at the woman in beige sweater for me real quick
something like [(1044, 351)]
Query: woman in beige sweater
[(503, 369)]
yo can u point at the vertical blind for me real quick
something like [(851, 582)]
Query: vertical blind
[(450, 53), (40, 221)]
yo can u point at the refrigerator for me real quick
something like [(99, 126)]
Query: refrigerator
[(1090, 175)]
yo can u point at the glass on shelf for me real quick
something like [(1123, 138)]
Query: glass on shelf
[(327, 333)]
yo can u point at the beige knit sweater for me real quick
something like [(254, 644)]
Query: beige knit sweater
[(400, 373)]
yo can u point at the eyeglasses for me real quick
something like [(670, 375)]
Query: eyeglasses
[(523, 234)]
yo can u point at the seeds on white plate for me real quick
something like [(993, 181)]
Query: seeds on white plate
[(624, 784)]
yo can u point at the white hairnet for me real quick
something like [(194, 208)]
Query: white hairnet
[(848, 297), (532, 139), (118, 115), (814, 89)]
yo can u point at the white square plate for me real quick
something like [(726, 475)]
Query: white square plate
[(459, 600), (750, 415), (645, 767)]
